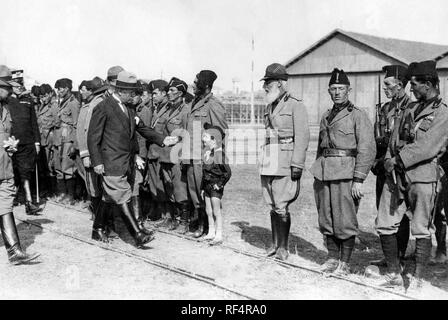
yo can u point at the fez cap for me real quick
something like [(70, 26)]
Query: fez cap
[(339, 77), (206, 78), (126, 80), (275, 71), (63, 83), (158, 84), (179, 84), (208, 126), (45, 88), (424, 68), (113, 72)]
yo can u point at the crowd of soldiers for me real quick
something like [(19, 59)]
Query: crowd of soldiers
[(124, 136), (121, 136), (405, 149)]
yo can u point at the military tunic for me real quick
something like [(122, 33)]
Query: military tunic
[(175, 186), (154, 172), (7, 187), (346, 151), (207, 109), (390, 113), (92, 180), (419, 141), (287, 139), (46, 121), (65, 137)]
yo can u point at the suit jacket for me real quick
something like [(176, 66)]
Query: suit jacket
[(85, 114), (207, 110), (430, 131), (350, 129), (112, 140), (288, 133), (6, 171), (24, 121)]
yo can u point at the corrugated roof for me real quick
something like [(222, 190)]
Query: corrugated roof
[(402, 50)]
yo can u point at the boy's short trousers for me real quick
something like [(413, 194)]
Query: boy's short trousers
[(210, 192)]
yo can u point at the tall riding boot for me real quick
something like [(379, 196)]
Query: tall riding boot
[(71, 191), (389, 244), (422, 254), (30, 208), (274, 227), (133, 227), (61, 190), (93, 207), (440, 234), (99, 224), (173, 216), (201, 224), (284, 224), (161, 207), (347, 247), (334, 254), (184, 217), (138, 215), (403, 237), (12, 243)]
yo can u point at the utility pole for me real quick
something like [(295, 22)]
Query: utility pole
[(252, 107)]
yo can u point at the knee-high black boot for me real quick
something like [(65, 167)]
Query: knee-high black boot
[(93, 207), (389, 244), (99, 224), (30, 208), (184, 217), (284, 224), (173, 224), (136, 208), (403, 236), (12, 243), (334, 254), (71, 191), (274, 229), (422, 254), (347, 247), (133, 227)]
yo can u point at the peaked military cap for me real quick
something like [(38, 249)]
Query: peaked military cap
[(424, 68), (179, 84), (275, 71), (6, 75), (158, 84), (338, 77)]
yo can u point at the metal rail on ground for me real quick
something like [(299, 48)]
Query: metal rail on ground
[(264, 258)]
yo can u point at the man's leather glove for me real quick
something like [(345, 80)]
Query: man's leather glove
[(296, 173)]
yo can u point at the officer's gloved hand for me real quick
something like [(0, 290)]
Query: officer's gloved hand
[(296, 173)]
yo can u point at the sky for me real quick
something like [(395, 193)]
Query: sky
[(80, 39)]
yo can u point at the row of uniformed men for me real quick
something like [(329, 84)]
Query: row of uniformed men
[(406, 159)]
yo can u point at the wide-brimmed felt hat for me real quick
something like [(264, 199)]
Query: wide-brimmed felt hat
[(126, 80), (275, 71), (113, 72)]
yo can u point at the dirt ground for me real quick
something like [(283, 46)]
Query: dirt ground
[(70, 269)]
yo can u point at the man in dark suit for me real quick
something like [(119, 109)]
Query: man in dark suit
[(112, 144)]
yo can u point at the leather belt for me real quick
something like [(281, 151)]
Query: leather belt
[(280, 140), (330, 152)]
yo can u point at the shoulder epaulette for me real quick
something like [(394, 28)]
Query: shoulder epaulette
[(289, 96)]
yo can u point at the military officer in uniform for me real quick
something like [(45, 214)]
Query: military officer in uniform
[(345, 154), (389, 114), (47, 113), (97, 87), (205, 108), (175, 187), (413, 154), (154, 174), (16, 255), (283, 155), (64, 140)]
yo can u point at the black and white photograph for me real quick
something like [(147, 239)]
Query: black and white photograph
[(233, 151)]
